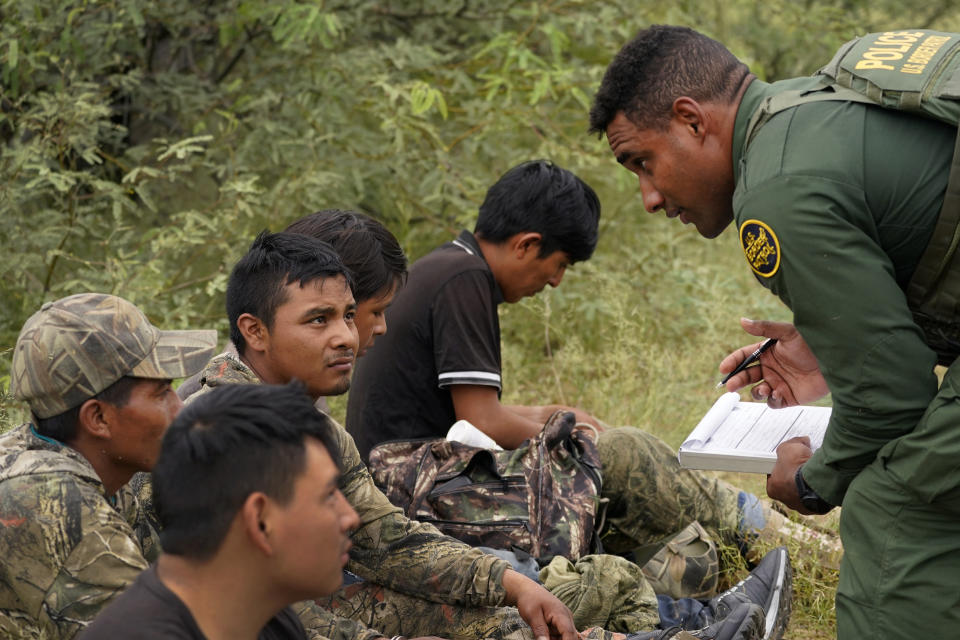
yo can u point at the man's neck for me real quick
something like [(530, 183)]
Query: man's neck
[(253, 363), (110, 475), (225, 598), (495, 255)]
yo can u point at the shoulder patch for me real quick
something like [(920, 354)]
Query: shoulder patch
[(761, 247)]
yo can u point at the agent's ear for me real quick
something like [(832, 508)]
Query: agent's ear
[(691, 114), (255, 519), (523, 243), (95, 419), (254, 331)]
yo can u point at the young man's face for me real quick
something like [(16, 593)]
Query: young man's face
[(533, 274), (678, 173), (137, 427), (313, 337), (312, 530), (371, 320)]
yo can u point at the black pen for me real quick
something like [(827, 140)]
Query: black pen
[(753, 357)]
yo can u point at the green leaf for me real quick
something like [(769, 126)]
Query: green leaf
[(13, 54)]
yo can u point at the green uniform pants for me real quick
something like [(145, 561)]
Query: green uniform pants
[(900, 527)]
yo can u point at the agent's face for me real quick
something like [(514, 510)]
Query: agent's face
[(679, 174), (371, 319), (313, 337), (312, 531), (137, 427)]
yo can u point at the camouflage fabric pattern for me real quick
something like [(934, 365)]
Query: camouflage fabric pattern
[(605, 591), (389, 549), (394, 614), (540, 498), (137, 508), (74, 348), (686, 567), (651, 498), (67, 552)]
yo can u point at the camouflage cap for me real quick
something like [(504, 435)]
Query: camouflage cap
[(76, 347)]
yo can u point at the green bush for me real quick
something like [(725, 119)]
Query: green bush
[(143, 145)]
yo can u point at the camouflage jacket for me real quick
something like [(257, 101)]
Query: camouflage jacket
[(67, 551), (388, 548)]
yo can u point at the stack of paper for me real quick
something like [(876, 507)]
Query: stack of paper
[(743, 436)]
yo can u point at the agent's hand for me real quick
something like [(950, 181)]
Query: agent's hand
[(788, 373), (549, 619), (781, 483)]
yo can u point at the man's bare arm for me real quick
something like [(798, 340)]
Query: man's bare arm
[(508, 425)]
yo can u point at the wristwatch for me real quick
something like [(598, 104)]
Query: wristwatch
[(809, 497)]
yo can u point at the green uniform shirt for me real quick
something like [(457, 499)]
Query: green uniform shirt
[(67, 551), (835, 202)]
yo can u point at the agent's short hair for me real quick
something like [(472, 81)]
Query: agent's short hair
[(366, 247), (538, 196), (258, 281), (63, 426), (661, 64), (228, 443)]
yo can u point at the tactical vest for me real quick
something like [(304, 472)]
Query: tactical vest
[(917, 71)]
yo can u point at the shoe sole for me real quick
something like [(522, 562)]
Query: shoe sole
[(778, 612)]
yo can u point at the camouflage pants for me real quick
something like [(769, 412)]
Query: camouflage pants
[(605, 591), (393, 613), (651, 497)]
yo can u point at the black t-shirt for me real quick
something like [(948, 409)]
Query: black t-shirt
[(442, 330), (148, 610)]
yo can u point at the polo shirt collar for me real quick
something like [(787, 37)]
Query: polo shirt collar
[(466, 241)]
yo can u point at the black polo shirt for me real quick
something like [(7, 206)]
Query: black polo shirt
[(442, 330)]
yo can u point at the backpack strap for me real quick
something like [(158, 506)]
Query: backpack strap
[(933, 293), (772, 105)]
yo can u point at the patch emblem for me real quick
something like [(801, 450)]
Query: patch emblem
[(761, 247)]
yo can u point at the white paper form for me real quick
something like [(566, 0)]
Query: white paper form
[(743, 436)]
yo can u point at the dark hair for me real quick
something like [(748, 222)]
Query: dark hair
[(63, 426), (233, 441), (661, 64), (274, 261), (366, 247), (541, 197)]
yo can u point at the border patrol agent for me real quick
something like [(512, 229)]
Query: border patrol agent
[(836, 203)]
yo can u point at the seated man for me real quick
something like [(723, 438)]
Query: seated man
[(246, 491), (374, 259), (291, 315), (96, 376), (602, 590), (441, 363)]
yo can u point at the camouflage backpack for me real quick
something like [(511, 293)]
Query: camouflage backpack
[(541, 498)]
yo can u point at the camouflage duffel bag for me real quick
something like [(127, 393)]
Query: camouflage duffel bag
[(541, 498)]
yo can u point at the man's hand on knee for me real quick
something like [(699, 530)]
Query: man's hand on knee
[(549, 619)]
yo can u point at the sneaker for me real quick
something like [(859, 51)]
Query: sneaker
[(769, 585), (745, 622)]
